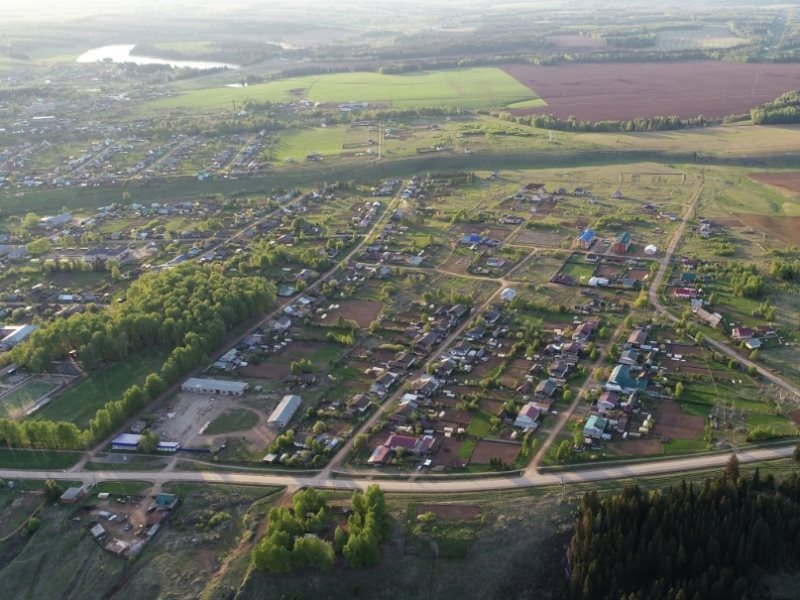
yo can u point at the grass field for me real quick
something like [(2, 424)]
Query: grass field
[(296, 144), (21, 399), (239, 419), (79, 403), (723, 141), (466, 88), (37, 459), (702, 37)]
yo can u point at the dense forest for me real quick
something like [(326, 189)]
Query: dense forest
[(692, 542)]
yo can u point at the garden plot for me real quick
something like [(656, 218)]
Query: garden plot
[(672, 423), (487, 450), (362, 312)]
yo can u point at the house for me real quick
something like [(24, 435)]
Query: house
[(595, 428), (608, 400), (688, 278), (622, 243), (753, 343), (426, 386), (559, 369), (621, 380), (586, 239), (684, 293), (528, 417), (282, 324), (168, 446), (705, 230), (495, 261), (629, 357), (543, 395), (215, 386), (617, 195), (637, 338), (711, 319), (285, 410), (584, 332), (741, 334), (360, 403), (382, 385)]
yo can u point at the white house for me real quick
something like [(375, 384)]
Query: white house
[(528, 417)]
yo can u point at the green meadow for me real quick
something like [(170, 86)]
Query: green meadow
[(483, 87)]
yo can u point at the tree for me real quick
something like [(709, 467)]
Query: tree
[(564, 451), (311, 552), (149, 442), (796, 454), (52, 490), (359, 441), (30, 221), (678, 390), (154, 385), (732, 468)]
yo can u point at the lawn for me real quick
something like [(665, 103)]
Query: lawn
[(21, 399), (479, 426), (296, 144), (79, 403), (483, 87), (37, 459), (581, 272), (238, 419)]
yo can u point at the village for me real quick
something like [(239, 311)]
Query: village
[(448, 340)]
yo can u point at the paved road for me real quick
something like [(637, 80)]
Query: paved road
[(429, 485)]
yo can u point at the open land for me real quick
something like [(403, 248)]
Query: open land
[(622, 91)]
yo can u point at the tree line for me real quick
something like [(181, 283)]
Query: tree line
[(688, 542)]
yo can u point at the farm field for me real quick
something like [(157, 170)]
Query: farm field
[(467, 88), (622, 91), (703, 37)]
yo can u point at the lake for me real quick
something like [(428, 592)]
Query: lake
[(122, 54)]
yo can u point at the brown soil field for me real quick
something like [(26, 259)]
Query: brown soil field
[(686, 350), (451, 512), (621, 91), (672, 423), (643, 447), (266, 370), (485, 450), (362, 312), (447, 455), (639, 274), (789, 181), (727, 222), (539, 238), (786, 229)]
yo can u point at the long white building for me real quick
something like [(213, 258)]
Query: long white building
[(214, 386)]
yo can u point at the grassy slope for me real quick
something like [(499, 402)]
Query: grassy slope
[(79, 403), (468, 88)]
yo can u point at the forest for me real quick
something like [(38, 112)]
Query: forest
[(687, 542), (189, 309)]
